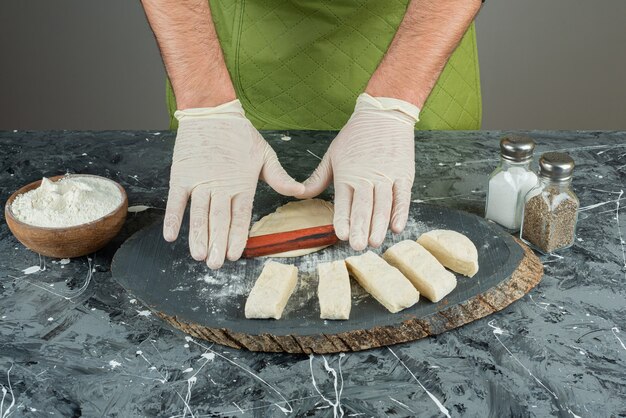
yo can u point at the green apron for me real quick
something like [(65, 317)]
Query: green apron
[(300, 64)]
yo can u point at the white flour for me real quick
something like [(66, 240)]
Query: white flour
[(70, 201)]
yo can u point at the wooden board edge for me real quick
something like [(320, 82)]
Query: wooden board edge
[(525, 277)]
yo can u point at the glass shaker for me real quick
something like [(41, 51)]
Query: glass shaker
[(551, 207), (510, 181)]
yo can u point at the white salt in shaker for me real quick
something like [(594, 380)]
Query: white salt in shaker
[(509, 183)]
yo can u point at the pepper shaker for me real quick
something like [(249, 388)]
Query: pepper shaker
[(510, 181), (551, 207)]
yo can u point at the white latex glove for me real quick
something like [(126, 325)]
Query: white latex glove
[(372, 162), (218, 158)]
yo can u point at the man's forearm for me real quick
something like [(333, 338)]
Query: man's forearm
[(191, 52), (427, 36)]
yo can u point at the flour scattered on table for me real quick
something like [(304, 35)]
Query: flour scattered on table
[(31, 270), (137, 208), (114, 364)]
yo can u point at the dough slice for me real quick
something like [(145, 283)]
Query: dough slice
[(427, 274), (384, 282), (272, 290), (333, 290), (294, 215), (452, 249)]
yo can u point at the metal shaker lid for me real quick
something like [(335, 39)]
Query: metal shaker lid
[(556, 166), (517, 148)]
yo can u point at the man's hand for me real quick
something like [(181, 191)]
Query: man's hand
[(373, 166), (219, 156), (218, 159)]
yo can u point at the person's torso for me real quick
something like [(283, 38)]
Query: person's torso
[(301, 64)]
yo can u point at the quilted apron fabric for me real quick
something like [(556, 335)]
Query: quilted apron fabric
[(300, 64)]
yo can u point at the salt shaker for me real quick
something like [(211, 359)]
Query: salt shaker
[(510, 181), (551, 207)]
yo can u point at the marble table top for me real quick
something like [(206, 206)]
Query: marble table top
[(74, 343)]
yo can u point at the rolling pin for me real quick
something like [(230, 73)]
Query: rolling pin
[(317, 236)]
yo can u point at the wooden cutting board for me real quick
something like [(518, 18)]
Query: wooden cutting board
[(210, 304)]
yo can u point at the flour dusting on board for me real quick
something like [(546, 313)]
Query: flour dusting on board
[(229, 286), (225, 285)]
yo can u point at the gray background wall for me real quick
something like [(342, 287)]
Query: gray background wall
[(87, 64)]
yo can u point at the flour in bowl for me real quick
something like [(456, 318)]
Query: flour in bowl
[(70, 201)]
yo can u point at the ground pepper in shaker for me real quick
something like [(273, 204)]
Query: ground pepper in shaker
[(510, 181), (551, 207)]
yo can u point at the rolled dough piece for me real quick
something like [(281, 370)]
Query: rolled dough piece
[(454, 250), (384, 282), (427, 274), (333, 290), (294, 215), (272, 290)]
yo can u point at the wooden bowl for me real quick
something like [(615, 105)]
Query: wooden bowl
[(67, 242)]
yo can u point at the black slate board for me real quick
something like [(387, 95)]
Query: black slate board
[(165, 278)]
